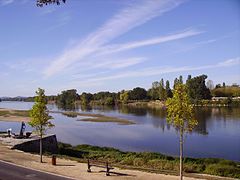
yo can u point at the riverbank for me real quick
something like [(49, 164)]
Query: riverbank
[(76, 169), (153, 162)]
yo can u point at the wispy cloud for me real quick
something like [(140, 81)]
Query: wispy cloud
[(6, 2), (124, 21), (114, 63), (61, 21), (153, 41), (162, 70), (48, 10)]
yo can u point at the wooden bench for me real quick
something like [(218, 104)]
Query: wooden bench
[(101, 164)]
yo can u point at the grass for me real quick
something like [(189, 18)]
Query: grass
[(149, 161), (98, 118)]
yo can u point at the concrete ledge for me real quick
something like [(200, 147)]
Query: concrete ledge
[(32, 144)]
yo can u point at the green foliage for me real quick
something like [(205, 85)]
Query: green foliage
[(39, 114), (124, 97), (109, 101), (41, 3), (153, 93), (66, 99), (180, 110), (180, 115), (169, 93), (162, 91), (105, 98), (223, 170), (138, 94), (40, 120), (86, 98), (197, 89)]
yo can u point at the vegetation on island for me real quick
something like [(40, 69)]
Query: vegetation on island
[(150, 161)]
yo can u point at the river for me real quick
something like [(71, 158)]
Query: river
[(217, 134)]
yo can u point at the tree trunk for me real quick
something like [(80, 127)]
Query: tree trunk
[(181, 154), (41, 148)]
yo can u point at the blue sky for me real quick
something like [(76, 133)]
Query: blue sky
[(110, 45)]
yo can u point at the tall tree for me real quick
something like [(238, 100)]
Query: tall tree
[(189, 77), (224, 85), (154, 91), (210, 84), (168, 90), (40, 120), (181, 79), (180, 115), (162, 90), (197, 89), (176, 81)]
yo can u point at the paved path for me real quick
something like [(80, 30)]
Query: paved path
[(8, 171)]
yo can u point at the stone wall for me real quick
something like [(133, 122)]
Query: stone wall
[(49, 145)]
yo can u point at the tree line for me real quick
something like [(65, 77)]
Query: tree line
[(197, 89)]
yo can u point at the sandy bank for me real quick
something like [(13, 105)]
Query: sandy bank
[(13, 115)]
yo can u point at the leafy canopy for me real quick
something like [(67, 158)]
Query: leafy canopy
[(180, 110), (39, 114), (40, 3)]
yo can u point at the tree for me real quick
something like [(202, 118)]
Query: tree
[(180, 115), (218, 86), (86, 98), (168, 90), (224, 85), (197, 89), (40, 3), (40, 120), (210, 84), (162, 90), (176, 81), (138, 94), (181, 79), (66, 99), (109, 101), (154, 91), (124, 97), (189, 77)]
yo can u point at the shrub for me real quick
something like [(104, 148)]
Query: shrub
[(223, 170)]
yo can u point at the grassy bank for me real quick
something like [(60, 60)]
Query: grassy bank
[(151, 161), (98, 118)]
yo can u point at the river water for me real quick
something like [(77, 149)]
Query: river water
[(217, 134)]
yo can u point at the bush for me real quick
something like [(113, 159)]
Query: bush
[(223, 170)]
